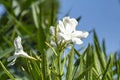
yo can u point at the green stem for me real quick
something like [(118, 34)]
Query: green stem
[(70, 65), (59, 66), (7, 72)]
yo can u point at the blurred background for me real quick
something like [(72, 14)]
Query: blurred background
[(101, 15)]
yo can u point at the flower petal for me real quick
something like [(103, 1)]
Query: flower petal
[(52, 43), (77, 41), (80, 34), (17, 44), (23, 54), (74, 23), (12, 63), (70, 24), (61, 26), (52, 30), (64, 36), (67, 25), (12, 57)]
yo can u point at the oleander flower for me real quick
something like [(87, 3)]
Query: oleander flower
[(18, 52), (67, 31)]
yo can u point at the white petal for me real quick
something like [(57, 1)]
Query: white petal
[(76, 33), (70, 24), (18, 52), (12, 57), (61, 26), (23, 54), (52, 43), (12, 63), (64, 36), (67, 25), (52, 30), (85, 34), (77, 41), (17, 44), (66, 19), (74, 23), (80, 34), (18, 48)]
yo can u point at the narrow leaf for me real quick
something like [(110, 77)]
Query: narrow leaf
[(7, 72), (70, 65)]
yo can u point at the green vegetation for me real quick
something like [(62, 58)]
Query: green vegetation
[(31, 19)]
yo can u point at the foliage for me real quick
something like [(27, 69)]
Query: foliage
[(31, 19)]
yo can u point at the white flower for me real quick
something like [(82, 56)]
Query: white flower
[(67, 31), (18, 51)]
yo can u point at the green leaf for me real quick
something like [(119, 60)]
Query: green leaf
[(35, 17), (84, 73), (109, 64), (7, 72), (7, 51), (89, 62), (100, 54), (97, 64), (51, 48), (97, 75), (7, 41), (104, 48), (70, 65)]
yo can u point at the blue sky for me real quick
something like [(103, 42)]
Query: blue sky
[(102, 15)]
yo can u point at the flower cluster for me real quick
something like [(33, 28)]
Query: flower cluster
[(67, 31)]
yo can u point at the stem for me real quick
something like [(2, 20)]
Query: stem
[(59, 66), (7, 72), (70, 65)]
